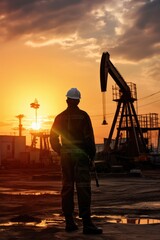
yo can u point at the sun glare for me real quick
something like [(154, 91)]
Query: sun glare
[(36, 126)]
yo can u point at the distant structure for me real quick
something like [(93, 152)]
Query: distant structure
[(35, 105), (20, 116), (12, 150), (39, 136)]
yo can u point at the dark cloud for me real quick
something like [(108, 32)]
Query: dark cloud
[(21, 17), (142, 40), (140, 37)]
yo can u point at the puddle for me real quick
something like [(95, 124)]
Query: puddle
[(54, 221), (28, 192), (43, 223), (143, 219), (58, 219)]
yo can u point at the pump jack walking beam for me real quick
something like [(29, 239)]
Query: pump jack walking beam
[(107, 67)]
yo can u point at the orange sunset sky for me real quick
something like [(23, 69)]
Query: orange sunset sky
[(49, 46)]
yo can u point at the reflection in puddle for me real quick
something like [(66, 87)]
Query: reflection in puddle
[(54, 221), (143, 219), (28, 192), (58, 219)]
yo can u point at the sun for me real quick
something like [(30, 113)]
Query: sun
[(36, 125)]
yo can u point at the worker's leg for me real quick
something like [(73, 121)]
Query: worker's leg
[(67, 192), (83, 184)]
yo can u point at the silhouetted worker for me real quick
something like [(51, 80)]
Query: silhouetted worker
[(72, 137)]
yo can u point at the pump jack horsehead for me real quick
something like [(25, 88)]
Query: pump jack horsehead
[(125, 110)]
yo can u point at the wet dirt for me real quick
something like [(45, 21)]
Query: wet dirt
[(125, 207)]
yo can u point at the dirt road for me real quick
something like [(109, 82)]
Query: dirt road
[(126, 207)]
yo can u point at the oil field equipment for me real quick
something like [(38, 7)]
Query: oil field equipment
[(129, 140)]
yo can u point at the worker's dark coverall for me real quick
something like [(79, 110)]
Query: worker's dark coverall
[(76, 147)]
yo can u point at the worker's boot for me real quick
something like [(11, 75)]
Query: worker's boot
[(70, 224), (90, 228)]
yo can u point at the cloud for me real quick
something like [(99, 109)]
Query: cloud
[(22, 17), (141, 39), (8, 123), (129, 29)]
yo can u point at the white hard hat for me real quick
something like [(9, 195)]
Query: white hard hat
[(73, 93)]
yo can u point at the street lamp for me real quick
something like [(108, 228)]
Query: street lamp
[(35, 105)]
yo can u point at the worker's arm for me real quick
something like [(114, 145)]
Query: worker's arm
[(89, 138), (54, 137)]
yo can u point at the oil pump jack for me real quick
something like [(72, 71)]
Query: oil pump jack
[(133, 144)]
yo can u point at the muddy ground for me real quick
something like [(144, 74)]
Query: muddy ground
[(127, 207)]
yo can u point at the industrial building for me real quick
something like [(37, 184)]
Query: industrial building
[(11, 149)]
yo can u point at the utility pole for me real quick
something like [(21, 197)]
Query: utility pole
[(20, 116)]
